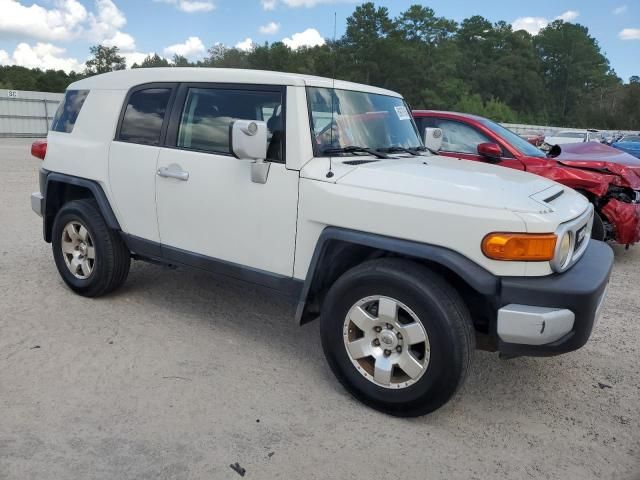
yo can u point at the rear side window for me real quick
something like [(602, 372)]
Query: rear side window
[(68, 111), (144, 116)]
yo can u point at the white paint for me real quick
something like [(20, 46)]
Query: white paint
[(219, 212)]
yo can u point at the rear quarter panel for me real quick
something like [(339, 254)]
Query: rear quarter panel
[(85, 151)]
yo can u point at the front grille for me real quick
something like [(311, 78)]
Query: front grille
[(580, 237)]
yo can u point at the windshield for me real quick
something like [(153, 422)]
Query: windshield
[(515, 140), (359, 119), (631, 138)]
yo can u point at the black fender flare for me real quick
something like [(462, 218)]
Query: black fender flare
[(478, 278), (51, 206)]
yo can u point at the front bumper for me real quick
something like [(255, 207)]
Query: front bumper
[(543, 316), (625, 218)]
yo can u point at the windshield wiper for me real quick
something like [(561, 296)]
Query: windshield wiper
[(397, 148), (355, 149)]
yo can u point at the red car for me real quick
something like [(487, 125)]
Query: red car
[(609, 178)]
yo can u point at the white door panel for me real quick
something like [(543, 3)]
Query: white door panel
[(132, 177), (220, 213)]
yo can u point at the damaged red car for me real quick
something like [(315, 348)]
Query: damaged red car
[(609, 178)]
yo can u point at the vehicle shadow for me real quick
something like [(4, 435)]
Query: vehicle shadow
[(244, 311)]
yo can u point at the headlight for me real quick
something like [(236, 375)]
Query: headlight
[(564, 249)]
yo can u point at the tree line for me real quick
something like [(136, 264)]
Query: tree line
[(558, 77)]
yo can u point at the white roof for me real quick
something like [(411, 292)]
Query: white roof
[(126, 79)]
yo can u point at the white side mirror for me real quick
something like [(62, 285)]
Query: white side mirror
[(433, 138), (248, 141)]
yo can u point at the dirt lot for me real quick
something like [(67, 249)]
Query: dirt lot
[(180, 374)]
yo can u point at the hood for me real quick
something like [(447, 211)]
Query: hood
[(457, 181), (602, 158), (596, 153), (632, 148)]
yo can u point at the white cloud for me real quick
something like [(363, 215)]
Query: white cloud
[(268, 4), (105, 25), (245, 45), (191, 48), (568, 16), (190, 6), (533, 25), (123, 41), (530, 24), (60, 23), (620, 10), (313, 3), (42, 55), (270, 28), (309, 38), (629, 34)]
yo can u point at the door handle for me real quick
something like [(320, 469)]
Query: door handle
[(168, 172)]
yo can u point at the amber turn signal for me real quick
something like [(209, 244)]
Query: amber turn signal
[(523, 247)]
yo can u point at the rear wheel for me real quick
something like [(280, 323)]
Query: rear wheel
[(397, 336), (91, 258)]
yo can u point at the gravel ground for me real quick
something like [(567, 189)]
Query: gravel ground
[(180, 374)]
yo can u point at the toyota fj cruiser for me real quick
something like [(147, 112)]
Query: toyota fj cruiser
[(322, 191)]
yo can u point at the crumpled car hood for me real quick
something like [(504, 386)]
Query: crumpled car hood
[(601, 158)]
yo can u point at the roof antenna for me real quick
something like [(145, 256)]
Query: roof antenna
[(333, 94)]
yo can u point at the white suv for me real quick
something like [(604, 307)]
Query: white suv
[(321, 191)]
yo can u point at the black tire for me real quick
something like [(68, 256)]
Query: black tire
[(598, 232), (439, 308), (112, 258)]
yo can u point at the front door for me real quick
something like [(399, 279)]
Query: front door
[(461, 140), (209, 210)]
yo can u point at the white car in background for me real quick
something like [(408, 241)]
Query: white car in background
[(573, 136)]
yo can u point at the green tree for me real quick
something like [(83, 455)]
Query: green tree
[(105, 59), (181, 61), (573, 67), (152, 61)]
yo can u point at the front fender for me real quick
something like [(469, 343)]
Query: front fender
[(334, 238)]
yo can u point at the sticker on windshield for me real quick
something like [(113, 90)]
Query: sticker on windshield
[(402, 112)]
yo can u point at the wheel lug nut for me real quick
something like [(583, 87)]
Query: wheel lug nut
[(376, 342), (387, 353), (378, 329), (399, 335), (389, 326), (398, 349)]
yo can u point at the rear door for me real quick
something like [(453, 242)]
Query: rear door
[(210, 213), (133, 157)]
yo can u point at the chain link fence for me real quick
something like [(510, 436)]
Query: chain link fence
[(27, 114)]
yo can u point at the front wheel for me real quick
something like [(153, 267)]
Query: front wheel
[(397, 336)]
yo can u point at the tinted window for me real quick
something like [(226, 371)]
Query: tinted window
[(68, 111), (458, 137), (142, 122), (515, 140), (208, 113)]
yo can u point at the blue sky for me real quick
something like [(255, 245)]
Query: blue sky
[(58, 33)]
